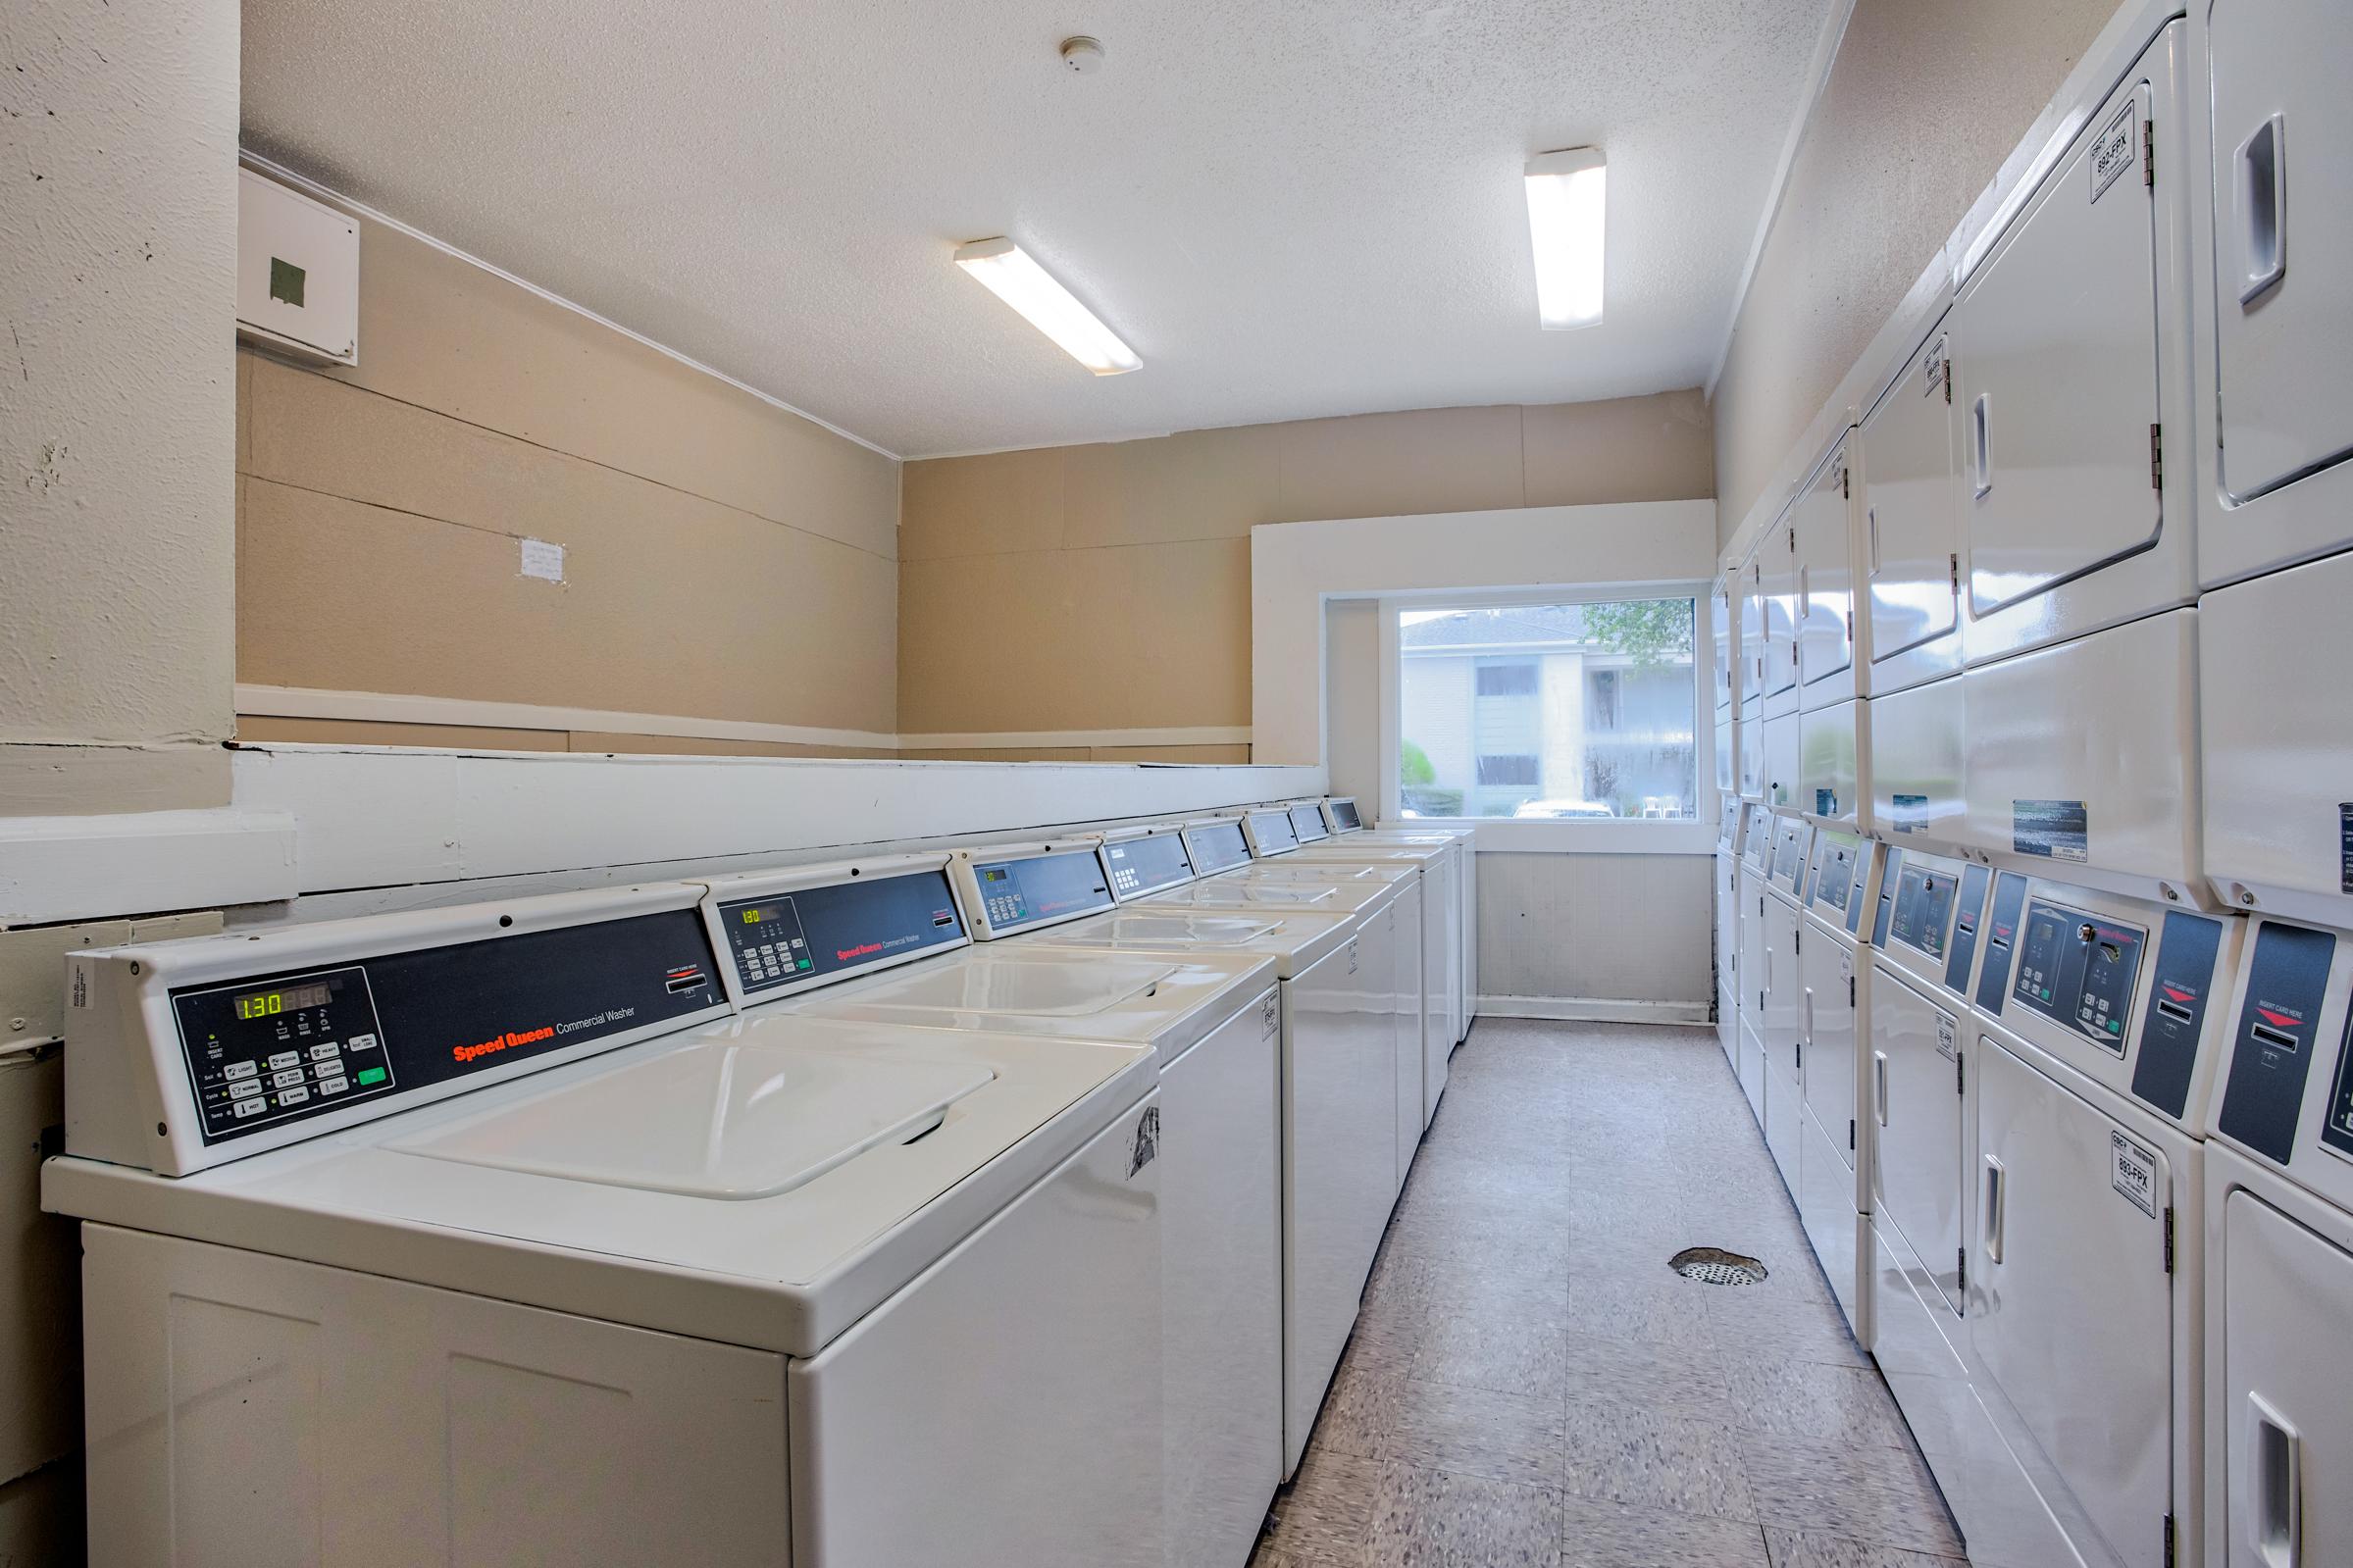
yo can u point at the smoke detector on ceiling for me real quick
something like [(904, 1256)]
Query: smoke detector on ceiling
[(1083, 54)]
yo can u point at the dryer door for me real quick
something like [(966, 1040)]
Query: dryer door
[(2056, 367), (1826, 1020), (1915, 1098), (1784, 1092), (2070, 1296), (2283, 120), (2288, 1403)]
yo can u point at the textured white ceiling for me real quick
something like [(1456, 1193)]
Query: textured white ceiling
[(1290, 210)]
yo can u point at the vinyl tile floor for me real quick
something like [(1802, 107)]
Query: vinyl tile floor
[(1530, 1383)]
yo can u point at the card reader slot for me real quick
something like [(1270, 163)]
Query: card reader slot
[(2174, 1010), (2277, 1038)]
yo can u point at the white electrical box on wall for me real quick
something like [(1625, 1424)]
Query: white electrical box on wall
[(298, 273)]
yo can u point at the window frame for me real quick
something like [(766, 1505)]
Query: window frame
[(1695, 834)]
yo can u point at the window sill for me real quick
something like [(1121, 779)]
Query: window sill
[(1613, 836)]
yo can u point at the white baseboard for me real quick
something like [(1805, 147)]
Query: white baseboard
[(1593, 1009)]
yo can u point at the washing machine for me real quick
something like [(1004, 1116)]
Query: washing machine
[(1212, 1023), (1339, 1113), (1389, 981), (2093, 1072), (1780, 995), (2278, 1279), (1833, 1196), (1440, 861), (534, 1251), (1754, 872), (1343, 818)]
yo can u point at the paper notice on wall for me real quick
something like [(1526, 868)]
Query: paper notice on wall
[(543, 560)]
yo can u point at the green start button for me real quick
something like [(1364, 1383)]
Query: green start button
[(371, 1075)]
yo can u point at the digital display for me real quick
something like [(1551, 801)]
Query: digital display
[(292, 999), (1307, 823), (1343, 812)]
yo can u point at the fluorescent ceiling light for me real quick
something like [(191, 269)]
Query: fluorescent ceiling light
[(1567, 212), (1012, 276)]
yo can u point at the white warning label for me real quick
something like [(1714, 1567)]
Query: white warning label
[(2133, 1171)]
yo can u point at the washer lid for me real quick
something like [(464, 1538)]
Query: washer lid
[(1042, 987), (723, 1119), (1245, 894), (1297, 938)]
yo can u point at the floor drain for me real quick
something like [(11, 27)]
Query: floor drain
[(1712, 1265)]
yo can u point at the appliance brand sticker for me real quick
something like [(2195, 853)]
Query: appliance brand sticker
[(2133, 1171), (1947, 1045), (1270, 1017), (1933, 369), (2117, 150), (2056, 830), (1825, 802), (1910, 812)]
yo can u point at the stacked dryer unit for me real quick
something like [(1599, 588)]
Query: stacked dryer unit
[(1730, 834), (2099, 1025), (2275, 559), (1833, 1182), (1779, 992), (1749, 880)]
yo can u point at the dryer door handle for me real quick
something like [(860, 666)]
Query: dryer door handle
[(1997, 1195), (2262, 204), (1879, 1085), (2275, 1513), (1981, 428)]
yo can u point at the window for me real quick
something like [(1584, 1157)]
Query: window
[(1560, 711)]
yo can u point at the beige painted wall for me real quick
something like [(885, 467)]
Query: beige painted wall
[(1134, 556), (1923, 101), (724, 559), (118, 276)]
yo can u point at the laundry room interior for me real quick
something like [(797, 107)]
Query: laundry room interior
[(1359, 784)]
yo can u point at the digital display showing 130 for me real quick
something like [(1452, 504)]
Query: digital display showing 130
[(292, 999)]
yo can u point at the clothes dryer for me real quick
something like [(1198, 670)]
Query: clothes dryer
[(1834, 1003), (2278, 1276), (1754, 872), (1781, 996), (580, 1267), (2094, 1066), (1730, 824), (1339, 1114)]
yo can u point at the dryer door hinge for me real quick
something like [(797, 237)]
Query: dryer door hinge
[(1960, 1074), (1845, 493), (1850, 1135), (1954, 561), (1961, 1262), (2148, 152), (2156, 457), (2168, 1540), (1850, 991), (1948, 375), (1797, 941), (2169, 1239)]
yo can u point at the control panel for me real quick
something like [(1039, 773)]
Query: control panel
[(2275, 1038), (274, 1048), (1270, 832), (1307, 823), (1343, 815), (1019, 891), (2079, 969), (1970, 910), (1217, 845), (784, 939), (1923, 909), (1143, 865), (1789, 851), (2001, 940), (1835, 872), (2336, 1122)]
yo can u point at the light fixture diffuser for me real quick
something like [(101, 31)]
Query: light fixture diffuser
[(1568, 215), (1012, 276)]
